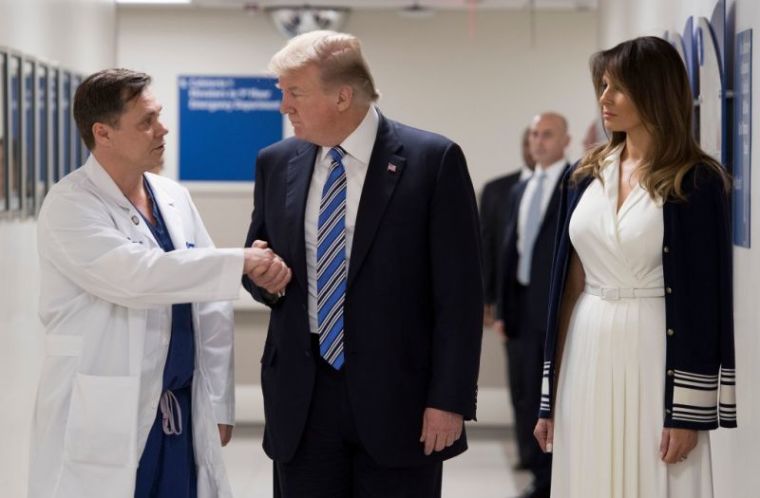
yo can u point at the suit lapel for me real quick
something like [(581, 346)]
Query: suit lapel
[(300, 169), (515, 197), (383, 172)]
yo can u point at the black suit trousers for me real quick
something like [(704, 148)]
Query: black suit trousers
[(525, 353), (330, 461)]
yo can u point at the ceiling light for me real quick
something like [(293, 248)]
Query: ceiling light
[(293, 21), (416, 11)]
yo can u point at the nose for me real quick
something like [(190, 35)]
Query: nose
[(162, 130), (285, 106), (604, 97)]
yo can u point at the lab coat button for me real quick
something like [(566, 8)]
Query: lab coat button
[(135, 220)]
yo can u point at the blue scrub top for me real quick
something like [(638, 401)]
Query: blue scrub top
[(167, 465)]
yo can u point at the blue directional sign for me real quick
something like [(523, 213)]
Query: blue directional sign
[(223, 122)]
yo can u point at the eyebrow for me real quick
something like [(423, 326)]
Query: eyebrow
[(153, 112)]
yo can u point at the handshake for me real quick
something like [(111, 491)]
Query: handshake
[(265, 268)]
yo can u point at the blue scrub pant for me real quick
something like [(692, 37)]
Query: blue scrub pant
[(167, 466)]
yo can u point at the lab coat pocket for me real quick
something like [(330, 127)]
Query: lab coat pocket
[(102, 423)]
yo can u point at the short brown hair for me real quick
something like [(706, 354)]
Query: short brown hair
[(101, 98)]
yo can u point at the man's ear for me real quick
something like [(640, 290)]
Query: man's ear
[(345, 97), (102, 134)]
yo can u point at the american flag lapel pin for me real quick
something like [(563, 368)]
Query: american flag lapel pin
[(391, 168)]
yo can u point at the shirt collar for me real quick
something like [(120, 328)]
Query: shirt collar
[(360, 142), (525, 173), (553, 171)]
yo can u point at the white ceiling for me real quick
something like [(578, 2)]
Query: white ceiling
[(399, 4)]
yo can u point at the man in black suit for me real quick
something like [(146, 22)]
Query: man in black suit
[(496, 214), (371, 360), (524, 292)]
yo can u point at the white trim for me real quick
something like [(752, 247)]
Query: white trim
[(493, 406)]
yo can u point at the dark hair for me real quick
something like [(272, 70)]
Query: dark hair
[(650, 72), (101, 98)]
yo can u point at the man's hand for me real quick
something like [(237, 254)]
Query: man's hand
[(676, 444), (488, 316), (225, 433), (440, 429), (500, 328), (257, 257), (544, 434), (272, 277)]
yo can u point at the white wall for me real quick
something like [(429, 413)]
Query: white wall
[(735, 452), (480, 90), (79, 34)]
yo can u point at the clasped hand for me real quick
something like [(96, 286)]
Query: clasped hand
[(265, 268)]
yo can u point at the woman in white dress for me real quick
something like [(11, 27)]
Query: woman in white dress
[(640, 318)]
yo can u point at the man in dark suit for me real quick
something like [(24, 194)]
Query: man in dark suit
[(371, 360), (495, 215), (524, 292)]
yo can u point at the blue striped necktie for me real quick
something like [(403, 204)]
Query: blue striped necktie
[(331, 262)]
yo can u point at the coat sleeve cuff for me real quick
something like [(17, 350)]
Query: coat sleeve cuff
[(224, 413)]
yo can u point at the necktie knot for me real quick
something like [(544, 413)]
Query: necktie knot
[(337, 153)]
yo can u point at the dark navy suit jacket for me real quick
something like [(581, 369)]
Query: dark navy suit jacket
[(414, 304), (528, 314)]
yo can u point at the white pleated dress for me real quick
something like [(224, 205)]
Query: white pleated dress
[(610, 397)]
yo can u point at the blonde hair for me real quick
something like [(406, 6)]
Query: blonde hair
[(651, 73), (338, 57)]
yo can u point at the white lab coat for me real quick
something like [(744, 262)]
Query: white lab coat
[(106, 295)]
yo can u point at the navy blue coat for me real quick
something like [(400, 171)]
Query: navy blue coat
[(696, 257), (414, 302)]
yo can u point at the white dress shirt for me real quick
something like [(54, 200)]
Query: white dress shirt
[(553, 173), (525, 173), (358, 146)]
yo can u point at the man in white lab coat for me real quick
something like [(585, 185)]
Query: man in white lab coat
[(136, 396)]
